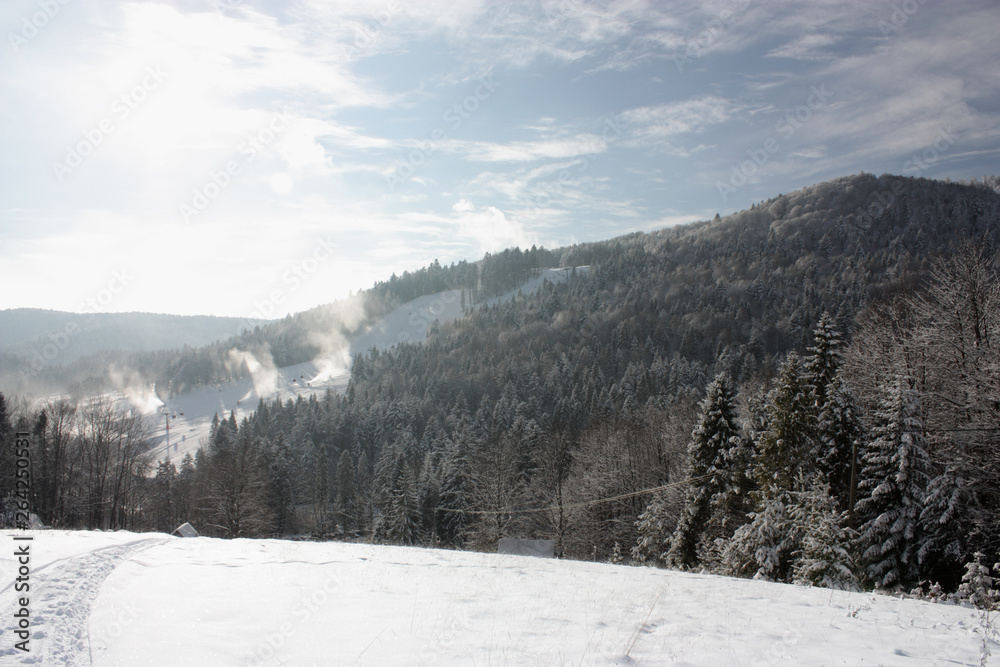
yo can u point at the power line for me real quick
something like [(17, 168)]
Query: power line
[(584, 503)]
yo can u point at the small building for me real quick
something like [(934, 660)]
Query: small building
[(185, 530)]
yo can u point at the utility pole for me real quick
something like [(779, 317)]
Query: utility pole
[(854, 483), (166, 420)]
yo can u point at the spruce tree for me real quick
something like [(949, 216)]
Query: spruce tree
[(710, 475), (837, 428), (787, 443), (946, 519), (346, 503), (653, 533), (838, 432), (893, 482), (825, 557), (319, 470), (453, 500)]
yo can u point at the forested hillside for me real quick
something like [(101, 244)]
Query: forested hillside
[(807, 390)]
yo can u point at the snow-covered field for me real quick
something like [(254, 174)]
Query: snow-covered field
[(133, 599)]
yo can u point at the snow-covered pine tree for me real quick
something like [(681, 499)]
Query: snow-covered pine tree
[(454, 496), (945, 521), (653, 533), (838, 432), (399, 521), (163, 496), (280, 487), (825, 557), (710, 478), (319, 469), (822, 366), (837, 427), (346, 498), (785, 446), (765, 547), (893, 483)]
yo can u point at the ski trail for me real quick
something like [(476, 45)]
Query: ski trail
[(61, 607)]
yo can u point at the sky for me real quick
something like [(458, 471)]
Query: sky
[(256, 158)]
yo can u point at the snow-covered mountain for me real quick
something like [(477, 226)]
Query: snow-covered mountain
[(126, 599), (190, 413)]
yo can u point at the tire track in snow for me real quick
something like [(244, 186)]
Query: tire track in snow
[(66, 590)]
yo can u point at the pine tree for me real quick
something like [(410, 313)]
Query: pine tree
[(654, 533), (454, 497), (785, 447), (893, 482), (346, 503), (399, 521), (825, 557), (837, 428), (165, 514), (822, 366), (765, 548), (710, 475), (945, 520), (280, 489), (319, 487), (838, 432)]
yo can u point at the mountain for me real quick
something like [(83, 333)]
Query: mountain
[(55, 337), (858, 314)]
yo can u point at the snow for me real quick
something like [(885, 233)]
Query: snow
[(408, 323), (151, 599)]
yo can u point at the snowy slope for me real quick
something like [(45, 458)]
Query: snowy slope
[(191, 413), (128, 599)]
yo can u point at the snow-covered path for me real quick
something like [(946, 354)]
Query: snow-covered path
[(63, 591), (130, 599)]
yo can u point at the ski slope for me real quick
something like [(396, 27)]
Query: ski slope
[(191, 412), (125, 599)]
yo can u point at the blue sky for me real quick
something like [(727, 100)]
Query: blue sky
[(259, 158)]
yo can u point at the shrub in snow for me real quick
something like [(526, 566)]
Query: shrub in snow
[(978, 586)]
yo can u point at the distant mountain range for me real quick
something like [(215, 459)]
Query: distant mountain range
[(51, 338)]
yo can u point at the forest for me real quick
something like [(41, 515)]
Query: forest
[(805, 391)]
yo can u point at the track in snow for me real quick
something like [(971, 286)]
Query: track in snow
[(63, 595)]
